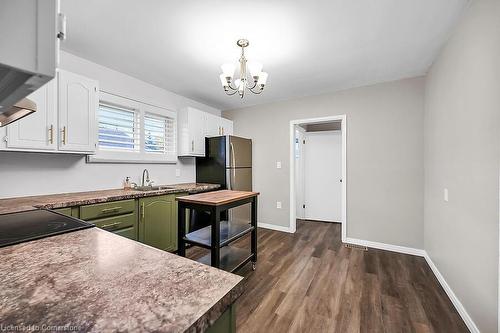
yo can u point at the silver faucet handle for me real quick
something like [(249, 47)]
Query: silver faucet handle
[(150, 183)]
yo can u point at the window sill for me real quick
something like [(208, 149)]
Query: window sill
[(131, 158)]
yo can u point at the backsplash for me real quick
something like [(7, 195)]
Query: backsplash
[(24, 174)]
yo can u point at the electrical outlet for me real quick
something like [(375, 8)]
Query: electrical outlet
[(278, 165), (177, 172), (445, 195), (278, 204)]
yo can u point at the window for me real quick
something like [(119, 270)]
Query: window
[(159, 134), (118, 128), (130, 131)]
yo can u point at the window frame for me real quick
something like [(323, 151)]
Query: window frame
[(141, 156)]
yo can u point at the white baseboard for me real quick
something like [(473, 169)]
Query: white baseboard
[(387, 247), (422, 253), (274, 227), (454, 299)]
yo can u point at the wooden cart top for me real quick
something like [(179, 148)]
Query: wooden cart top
[(217, 198)]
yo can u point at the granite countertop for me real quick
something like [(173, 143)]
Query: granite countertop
[(93, 280), (54, 201)]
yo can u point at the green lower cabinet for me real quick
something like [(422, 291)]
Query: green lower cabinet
[(69, 211), (158, 221), (226, 323)]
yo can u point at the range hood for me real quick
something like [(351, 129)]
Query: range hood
[(19, 110)]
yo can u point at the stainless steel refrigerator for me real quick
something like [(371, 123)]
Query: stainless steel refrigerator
[(228, 162)]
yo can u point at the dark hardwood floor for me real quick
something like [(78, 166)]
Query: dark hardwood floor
[(310, 282)]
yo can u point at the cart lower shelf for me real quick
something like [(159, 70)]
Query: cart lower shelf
[(229, 232), (231, 258)]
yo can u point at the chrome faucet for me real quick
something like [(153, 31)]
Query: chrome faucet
[(146, 173)]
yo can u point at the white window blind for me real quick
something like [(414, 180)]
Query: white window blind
[(159, 134), (118, 128)]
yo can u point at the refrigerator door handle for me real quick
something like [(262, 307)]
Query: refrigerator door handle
[(233, 162)]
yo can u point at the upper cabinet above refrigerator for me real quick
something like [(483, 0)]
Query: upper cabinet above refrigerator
[(194, 126), (29, 51)]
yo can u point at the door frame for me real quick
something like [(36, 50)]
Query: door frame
[(301, 177), (343, 129)]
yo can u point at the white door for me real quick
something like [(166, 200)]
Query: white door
[(37, 131), (323, 176), (196, 125), (299, 172), (78, 102)]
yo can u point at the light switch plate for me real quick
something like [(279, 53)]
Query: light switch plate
[(278, 165), (177, 172), (278, 204), (445, 195)]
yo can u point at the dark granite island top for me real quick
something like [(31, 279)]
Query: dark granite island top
[(93, 280)]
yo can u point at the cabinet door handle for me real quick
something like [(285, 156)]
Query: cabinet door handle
[(110, 225), (192, 145), (142, 211), (51, 134), (110, 210), (64, 135), (219, 129), (222, 130)]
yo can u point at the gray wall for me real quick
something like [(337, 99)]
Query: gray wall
[(384, 157), (462, 153)]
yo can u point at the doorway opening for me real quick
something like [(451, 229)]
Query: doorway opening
[(318, 179)]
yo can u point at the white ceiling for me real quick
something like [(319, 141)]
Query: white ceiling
[(307, 47)]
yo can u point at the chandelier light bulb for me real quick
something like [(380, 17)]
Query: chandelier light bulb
[(251, 76)]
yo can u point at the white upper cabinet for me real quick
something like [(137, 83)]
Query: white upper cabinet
[(29, 47), (212, 125), (65, 120), (215, 126), (226, 126), (194, 126), (78, 101), (191, 129), (37, 131)]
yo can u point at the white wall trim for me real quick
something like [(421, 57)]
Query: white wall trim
[(343, 120), (274, 227), (451, 295), (388, 247)]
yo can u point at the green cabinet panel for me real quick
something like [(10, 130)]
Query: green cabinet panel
[(69, 211), (155, 221), (119, 222), (130, 232), (226, 323), (158, 221), (90, 212)]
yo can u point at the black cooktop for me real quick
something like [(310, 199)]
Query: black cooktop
[(25, 226)]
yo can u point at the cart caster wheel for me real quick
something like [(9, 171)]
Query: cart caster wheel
[(254, 266)]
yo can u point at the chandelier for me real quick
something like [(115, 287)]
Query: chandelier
[(251, 78)]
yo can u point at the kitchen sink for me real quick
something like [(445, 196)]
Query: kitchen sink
[(153, 188)]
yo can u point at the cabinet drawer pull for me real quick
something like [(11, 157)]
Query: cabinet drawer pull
[(110, 210), (110, 225), (51, 134), (64, 135)]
